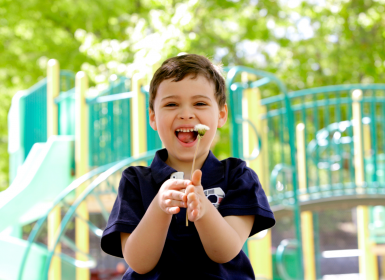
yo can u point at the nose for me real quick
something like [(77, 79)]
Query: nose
[(186, 114)]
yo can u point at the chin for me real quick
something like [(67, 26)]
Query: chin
[(185, 157)]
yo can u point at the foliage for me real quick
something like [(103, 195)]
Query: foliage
[(305, 43), (33, 31)]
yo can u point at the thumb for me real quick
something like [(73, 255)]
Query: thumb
[(197, 177)]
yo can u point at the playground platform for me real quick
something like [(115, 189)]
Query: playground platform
[(313, 149)]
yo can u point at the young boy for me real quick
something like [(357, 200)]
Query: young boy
[(224, 199)]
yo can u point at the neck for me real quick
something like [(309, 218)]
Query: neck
[(185, 166)]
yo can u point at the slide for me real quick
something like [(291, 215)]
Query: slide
[(46, 171)]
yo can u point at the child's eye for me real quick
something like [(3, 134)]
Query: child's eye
[(200, 104), (170, 105)]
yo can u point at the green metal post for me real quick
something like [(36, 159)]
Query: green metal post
[(297, 211)]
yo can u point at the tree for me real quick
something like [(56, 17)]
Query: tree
[(305, 43)]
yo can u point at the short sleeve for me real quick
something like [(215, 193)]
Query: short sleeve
[(245, 196), (126, 213)]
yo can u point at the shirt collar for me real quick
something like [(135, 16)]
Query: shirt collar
[(212, 169)]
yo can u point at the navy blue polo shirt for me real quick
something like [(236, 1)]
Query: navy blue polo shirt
[(230, 185)]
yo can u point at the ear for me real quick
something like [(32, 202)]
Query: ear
[(222, 116), (152, 119)]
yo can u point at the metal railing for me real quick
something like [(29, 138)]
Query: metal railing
[(110, 124), (327, 115), (100, 187), (280, 145), (34, 123)]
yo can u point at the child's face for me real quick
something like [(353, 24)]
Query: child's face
[(180, 106)]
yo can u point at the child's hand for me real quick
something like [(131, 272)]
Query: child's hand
[(171, 195), (196, 199)]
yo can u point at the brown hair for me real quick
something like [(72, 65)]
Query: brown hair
[(190, 64)]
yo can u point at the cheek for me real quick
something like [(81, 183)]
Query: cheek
[(164, 125), (209, 135)]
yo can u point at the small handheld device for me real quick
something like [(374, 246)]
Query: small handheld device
[(177, 175)]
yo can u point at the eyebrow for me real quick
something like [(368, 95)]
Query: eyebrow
[(178, 97)]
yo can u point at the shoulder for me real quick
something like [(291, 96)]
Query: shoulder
[(135, 175), (245, 195), (234, 164), (237, 168), (136, 171), (233, 161)]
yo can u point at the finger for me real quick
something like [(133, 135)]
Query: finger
[(193, 214), (190, 189), (173, 203), (178, 184), (172, 210), (189, 214), (175, 195), (191, 197), (193, 205), (197, 177), (193, 202)]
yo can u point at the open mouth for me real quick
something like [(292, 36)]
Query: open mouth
[(186, 135)]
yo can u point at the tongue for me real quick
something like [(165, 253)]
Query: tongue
[(186, 137)]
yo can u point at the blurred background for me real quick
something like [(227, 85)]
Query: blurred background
[(305, 44)]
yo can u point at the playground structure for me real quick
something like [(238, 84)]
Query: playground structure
[(312, 149)]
